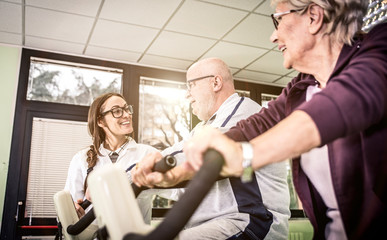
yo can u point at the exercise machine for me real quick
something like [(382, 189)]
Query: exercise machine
[(73, 227), (118, 214)]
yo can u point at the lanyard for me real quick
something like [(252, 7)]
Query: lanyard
[(223, 124)]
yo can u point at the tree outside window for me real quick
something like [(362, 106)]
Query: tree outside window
[(68, 83), (165, 118)]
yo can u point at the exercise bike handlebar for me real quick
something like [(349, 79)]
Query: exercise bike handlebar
[(168, 162), (177, 217), (162, 166), (165, 164), (85, 204)]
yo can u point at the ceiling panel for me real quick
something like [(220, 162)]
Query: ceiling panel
[(122, 36), (234, 70), (180, 46), (54, 45), (13, 1), (11, 38), (57, 25), (151, 13), (293, 73), (247, 5), (255, 30), (10, 17), (235, 55), (84, 7), (203, 19), (272, 62), (257, 76), (108, 53), (168, 34), (265, 9), (152, 60), (283, 80)]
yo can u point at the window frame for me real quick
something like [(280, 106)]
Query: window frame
[(25, 111)]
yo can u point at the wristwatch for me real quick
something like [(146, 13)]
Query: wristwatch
[(248, 153)]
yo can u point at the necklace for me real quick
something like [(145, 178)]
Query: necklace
[(114, 155)]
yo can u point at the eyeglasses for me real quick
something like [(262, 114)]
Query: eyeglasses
[(117, 112), (277, 17), (190, 82)]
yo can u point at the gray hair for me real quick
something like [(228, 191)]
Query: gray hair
[(343, 18)]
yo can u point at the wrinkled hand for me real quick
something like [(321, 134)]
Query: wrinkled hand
[(209, 137), (142, 174), (80, 211)]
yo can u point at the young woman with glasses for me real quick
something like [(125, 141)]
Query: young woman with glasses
[(110, 126)]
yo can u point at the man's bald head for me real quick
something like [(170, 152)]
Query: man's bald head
[(210, 83), (211, 66)]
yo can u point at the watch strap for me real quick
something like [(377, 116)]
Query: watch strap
[(248, 153)]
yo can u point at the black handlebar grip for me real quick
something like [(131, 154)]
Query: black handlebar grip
[(182, 210), (85, 204), (82, 224), (166, 163)]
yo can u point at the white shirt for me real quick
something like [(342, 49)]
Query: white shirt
[(315, 164), (220, 203), (128, 156)]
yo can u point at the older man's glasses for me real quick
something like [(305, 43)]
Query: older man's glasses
[(277, 17), (191, 81), (117, 112)]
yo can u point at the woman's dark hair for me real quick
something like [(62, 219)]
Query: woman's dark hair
[(97, 133)]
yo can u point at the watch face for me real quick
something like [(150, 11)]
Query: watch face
[(247, 175)]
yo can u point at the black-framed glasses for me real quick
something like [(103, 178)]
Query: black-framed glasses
[(189, 82), (277, 17), (117, 112)]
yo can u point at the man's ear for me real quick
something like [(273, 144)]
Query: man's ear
[(316, 18), (217, 83)]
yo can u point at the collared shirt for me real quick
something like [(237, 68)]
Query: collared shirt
[(243, 205), (229, 113), (77, 172)]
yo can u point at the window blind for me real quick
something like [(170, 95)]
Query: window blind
[(53, 144)]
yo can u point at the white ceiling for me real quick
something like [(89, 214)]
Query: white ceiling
[(169, 34)]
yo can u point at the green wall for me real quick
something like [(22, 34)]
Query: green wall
[(9, 72)]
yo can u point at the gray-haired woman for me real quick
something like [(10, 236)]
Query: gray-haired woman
[(331, 118)]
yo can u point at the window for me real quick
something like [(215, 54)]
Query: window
[(266, 98), (28, 210), (243, 93), (164, 113), (70, 83), (53, 144)]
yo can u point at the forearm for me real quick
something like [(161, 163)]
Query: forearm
[(289, 138)]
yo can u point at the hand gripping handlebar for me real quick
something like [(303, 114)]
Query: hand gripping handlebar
[(165, 164)]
